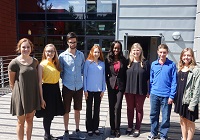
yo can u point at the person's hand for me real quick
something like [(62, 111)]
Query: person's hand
[(101, 95), (43, 104), (147, 95), (86, 95), (170, 101)]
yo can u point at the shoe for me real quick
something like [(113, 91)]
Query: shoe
[(112, 132), (151, 137), (80, 135), (163, 138), (66, 136), (97, 132), (117, 134), (49, 138), (136, 133), (90, 133), (129, 131)]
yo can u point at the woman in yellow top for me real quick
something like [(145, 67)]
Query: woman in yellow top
[(51, 101)]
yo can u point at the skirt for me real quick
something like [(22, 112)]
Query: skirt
[(53, 99)]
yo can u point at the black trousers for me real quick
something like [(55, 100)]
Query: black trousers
[(92, 114), (115, 105)]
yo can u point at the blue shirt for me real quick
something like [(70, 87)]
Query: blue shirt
[(72, 69), (94, 76), (163, 79)]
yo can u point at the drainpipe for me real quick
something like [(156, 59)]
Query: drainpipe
[(197, 34)]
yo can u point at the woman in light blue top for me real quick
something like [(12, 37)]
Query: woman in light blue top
[(94, 87)]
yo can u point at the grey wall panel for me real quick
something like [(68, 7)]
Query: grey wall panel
[(158, 2), (146, 11)]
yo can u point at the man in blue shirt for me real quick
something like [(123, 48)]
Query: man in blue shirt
[(163, 84), (72, 63)]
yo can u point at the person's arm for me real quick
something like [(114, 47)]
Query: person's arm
[(103, 82), (11, 76), (196, 91), (173, 84), (151, 78), (85, 73), (40, 69), (61, 66)]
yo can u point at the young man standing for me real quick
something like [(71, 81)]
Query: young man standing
[(163, 84), (72, 63)]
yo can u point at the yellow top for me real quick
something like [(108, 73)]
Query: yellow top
[(49, 74)]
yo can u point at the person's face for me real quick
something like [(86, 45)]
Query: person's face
[(136, 52), (187, 58), (96, 53), (72, 42), (116, 49), (25, 48), (49, 52), (162, 53)]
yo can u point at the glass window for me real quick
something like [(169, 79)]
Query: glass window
[(107, 6), (101, 16), (100, 28), (65, 16), (31, 6), (32, 27), (64, 27), (66, 5)]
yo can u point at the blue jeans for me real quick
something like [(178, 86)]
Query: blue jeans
[(158, 103)]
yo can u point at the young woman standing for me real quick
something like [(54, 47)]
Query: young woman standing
[(94, 87)]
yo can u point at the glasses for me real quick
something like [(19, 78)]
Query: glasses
[(50, 51), (72, 42)]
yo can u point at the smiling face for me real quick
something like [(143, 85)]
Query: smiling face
[(116, 49), (162, 53), (136, 52), (96, 53), (49, 52), (25, 48), (187, 58)]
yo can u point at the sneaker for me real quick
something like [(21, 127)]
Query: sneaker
[(80, 135), (90, 133), (163, 138), (66, 136), (151, 137), (50, 137)]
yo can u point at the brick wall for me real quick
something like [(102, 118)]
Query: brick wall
[(8, 34)]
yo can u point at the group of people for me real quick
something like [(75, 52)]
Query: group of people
[(134, 77)]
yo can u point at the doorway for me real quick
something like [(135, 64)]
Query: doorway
[(149, 45)]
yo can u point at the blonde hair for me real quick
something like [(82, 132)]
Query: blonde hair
[(181, 63), (55, 58), (141, 57), (91, 56)]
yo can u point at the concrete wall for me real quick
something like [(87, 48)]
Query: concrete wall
[(155, 17), (8, 35)]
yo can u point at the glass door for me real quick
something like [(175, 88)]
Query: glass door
[(103, 42)]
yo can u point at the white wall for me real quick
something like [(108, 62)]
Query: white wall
[(154, 17)]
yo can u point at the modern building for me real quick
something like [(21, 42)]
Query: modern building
[(149, 22)]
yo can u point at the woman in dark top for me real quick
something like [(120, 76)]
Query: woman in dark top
[(136, 87), (116, 66), (187, 97)]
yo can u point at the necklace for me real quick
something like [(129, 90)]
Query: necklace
[(183, 76)]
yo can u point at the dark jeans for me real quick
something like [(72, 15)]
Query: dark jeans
[(92, 118), (160, 103), (115, 105), (135, 101)]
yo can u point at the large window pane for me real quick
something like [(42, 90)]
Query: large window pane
[(65, 16), (66, 5), (32, 28), (31, 6), (100, 28), (62, 28), (106, 6)]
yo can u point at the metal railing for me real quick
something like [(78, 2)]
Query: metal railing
[(4, 79)]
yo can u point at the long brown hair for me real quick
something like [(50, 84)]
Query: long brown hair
[(55, 60), (181, 63), (91, 56)]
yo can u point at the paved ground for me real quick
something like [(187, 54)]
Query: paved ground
[(8, 123)]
